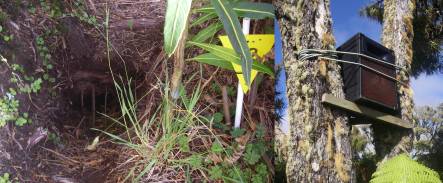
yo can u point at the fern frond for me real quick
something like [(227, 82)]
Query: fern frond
[(402, 169)]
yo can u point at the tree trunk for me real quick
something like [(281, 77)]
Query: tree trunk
[(398, 35), (318, 144)]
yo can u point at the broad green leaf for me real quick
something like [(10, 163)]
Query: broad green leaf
[(218, 51), (205, 17), (254, 10), (247, 9), (232, 27), (211, 59), (207, 33), (177, 14)]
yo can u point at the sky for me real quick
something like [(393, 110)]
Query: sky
[(428, 90)]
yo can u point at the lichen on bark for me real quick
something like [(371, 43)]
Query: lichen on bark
[(318, 143), (398, 35)]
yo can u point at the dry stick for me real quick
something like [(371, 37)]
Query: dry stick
[(106, 98), (81, 99), (158, 60), (253, 93), (93, 6), (93, 106), (61, 155), (251, 124), (12, 136), (226, 105), (209, 80)]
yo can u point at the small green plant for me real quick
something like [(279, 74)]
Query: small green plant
[(54, 138), (216, 88), (9, 104), (81, 13), (8, 109), (403, 169), (6, 37), (43, 52), (5, 178), (3, 16), (242, 155)]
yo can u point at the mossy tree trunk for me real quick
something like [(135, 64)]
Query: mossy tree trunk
[(317, 148), (398, 35)]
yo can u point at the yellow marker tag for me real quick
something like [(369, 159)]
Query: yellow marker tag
[(259, 44)]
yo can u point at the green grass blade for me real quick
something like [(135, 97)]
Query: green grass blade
[(233, 29), (218, 51), (177, 14), (220, 56), (254, 10), (250, 10), (211, 59), (207, 33), (146, 170), (263, 68), (204, 18)]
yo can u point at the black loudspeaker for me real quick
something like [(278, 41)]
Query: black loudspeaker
[(363, 85)]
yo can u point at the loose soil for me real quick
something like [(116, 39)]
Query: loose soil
[(71, 106)]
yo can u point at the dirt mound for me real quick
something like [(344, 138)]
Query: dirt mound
[(72, 52), (65, 44)]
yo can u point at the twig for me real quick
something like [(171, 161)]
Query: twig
[(12, 135), (226, 105), (93, 106), (210, 79), (61, 155), (93, 6)]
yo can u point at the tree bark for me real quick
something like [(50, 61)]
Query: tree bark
[(317, 147), (398, 35)]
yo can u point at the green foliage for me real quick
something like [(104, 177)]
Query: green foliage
[(6, 37), (364, 160), (237, 132), (183, 142), (429, 120), (3, 17), (24, 84), (9, 105), (176, 21), (428, 145), (217, 148), (252, 170), (54, 138), (216, 172), (403, 169), (173, 136), (5, 178), (81, 13), (233, 29), (207, 33), (43, 52), (224, 57), (250, 10), (8, 109), (204, 18)]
